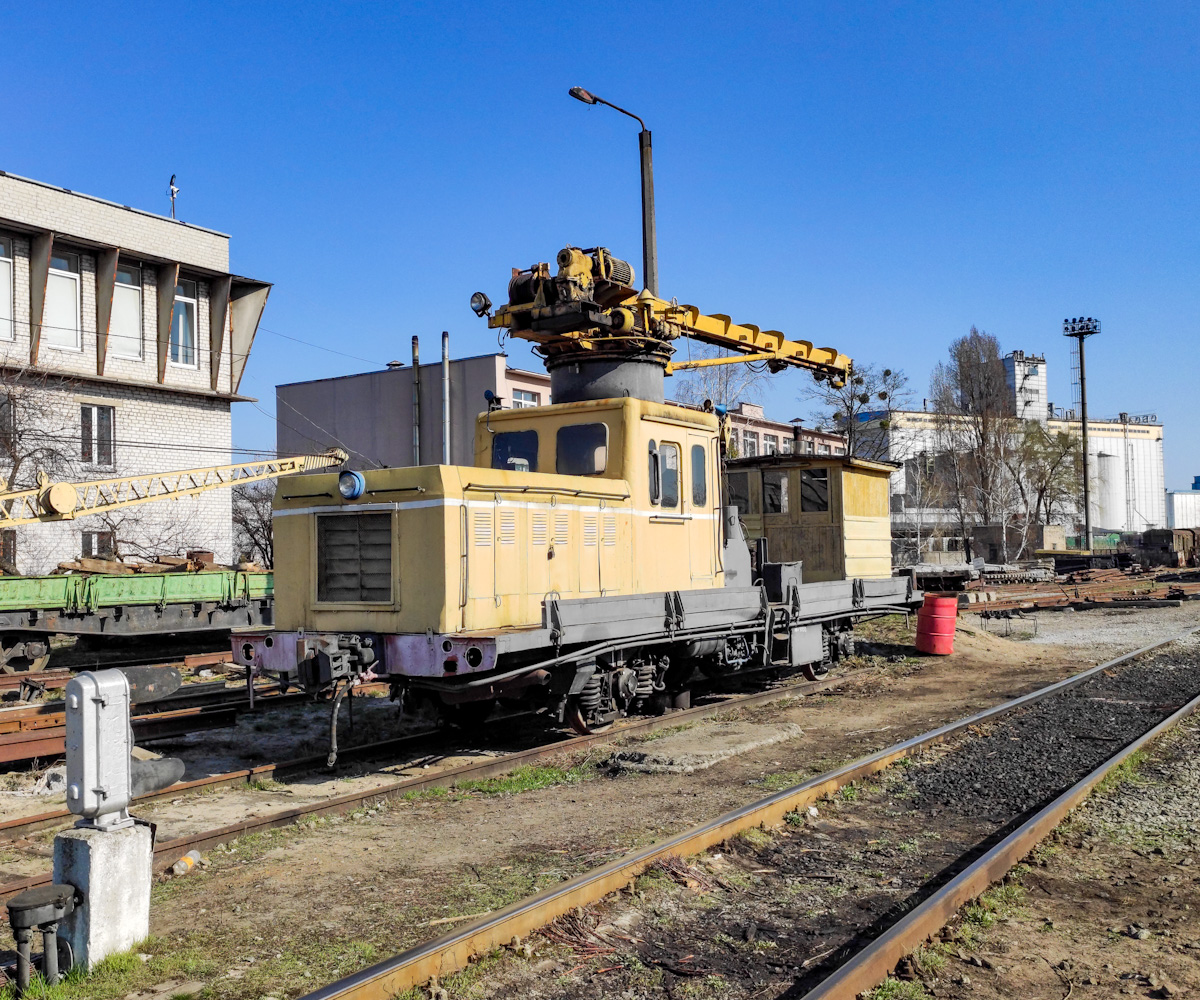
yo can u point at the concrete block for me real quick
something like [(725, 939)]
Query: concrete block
[(703, 746), (113, 870)]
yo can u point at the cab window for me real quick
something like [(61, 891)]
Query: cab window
[(582, 449), (739, 491), (699, 480), (515, 451), (814, 490), (668, 459), (775, 491)]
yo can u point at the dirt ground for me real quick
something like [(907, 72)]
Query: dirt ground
[(282, 913)]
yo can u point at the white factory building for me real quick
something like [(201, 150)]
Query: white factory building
[(1125, 458), (123, 339), (1183, 507)]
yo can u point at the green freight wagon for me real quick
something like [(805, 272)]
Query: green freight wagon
[(35, 608)]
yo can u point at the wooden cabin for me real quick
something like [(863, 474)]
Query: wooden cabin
[(829, 512)]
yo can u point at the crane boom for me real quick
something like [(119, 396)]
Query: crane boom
[(65, 501), (590, 306)]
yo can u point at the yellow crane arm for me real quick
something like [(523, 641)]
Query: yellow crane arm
[(65, 501), (589, 306)]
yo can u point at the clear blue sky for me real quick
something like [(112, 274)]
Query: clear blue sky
[(874, 177)]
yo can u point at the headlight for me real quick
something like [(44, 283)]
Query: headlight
[(351, 485), (481, 305)]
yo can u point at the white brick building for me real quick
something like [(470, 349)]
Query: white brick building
[(123, 339)]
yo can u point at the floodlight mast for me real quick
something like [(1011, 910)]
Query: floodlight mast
[(1080, 329)]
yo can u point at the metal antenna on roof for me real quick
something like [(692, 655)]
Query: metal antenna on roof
[(173, 191)]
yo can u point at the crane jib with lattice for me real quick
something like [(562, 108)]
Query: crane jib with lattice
[(64, 501)]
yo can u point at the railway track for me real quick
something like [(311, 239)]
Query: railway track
[(167, 852), (869, 953)]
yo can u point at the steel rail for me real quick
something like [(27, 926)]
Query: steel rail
[(871, 966), (166, 853), (453, 951)]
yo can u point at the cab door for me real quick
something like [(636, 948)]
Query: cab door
[(700, 499)]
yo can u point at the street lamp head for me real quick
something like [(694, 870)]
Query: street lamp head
[(582, 95)]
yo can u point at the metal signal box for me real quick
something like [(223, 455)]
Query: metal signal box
[(99, 742)]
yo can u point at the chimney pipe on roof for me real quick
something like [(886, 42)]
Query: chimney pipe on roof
[(445, 397), (416, 355)]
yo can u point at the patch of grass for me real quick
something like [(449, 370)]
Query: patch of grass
[(910, 845), (527, 779), (999, 901), (794, 818), (423, 794), (658, 734), (929, 960), (1124, 773), (756, 837), (898, 989), (780, 779), (848, 793), (265, 785)]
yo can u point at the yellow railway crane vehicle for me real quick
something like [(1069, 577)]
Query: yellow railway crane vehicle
[(587, 563), (63, 501)]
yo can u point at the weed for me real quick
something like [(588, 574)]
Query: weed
[(265, 785), (794, 819), (929, 959), (997, 902), (780, 779), (756, 837), (910, 845), (848, 793), (896, 989)]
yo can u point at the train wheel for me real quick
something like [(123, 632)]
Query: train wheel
[(577, 720), (23, 656)]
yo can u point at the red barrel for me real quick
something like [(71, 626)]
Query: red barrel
[(935, 625)]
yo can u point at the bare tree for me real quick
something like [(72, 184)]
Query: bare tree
[(144, 533), (861, 407), (36, 435), (725, 385), (252, 521), (974, 425)]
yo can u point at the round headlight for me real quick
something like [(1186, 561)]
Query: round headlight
[(480, 304), (351, 485)]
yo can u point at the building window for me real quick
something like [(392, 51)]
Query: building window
[(8, 550), (814, 490), (839, 451), (808, 447), (523, 399), (823, 449), (6, 289), (125, 325), (97, 545), (60, 317), (785, 446), (699, 477), (775, 491), (183, 325), (770, 444), (96, 434), (749, 444)]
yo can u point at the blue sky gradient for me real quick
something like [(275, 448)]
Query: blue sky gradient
[(874, 177)]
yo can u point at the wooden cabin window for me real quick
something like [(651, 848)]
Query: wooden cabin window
[(739, 491), (582, 449), (655, 475), (699, 477), (814, 490), (515, 451), (775, 491)]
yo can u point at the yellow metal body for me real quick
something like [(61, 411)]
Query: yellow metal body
[(834, 516), (477, 548), (65, 501)]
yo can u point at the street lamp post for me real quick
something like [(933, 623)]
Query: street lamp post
[(649, 242)]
